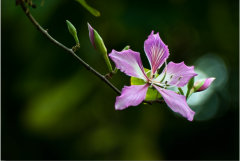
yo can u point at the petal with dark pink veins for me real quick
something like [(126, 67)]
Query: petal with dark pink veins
[(129, 62), (156, 51)]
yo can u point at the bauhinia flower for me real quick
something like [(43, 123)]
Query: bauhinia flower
[(174, 74)]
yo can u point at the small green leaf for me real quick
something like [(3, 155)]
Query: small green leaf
[(152, 93), (90, 9)]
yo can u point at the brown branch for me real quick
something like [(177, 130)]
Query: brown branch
[(88, 67)]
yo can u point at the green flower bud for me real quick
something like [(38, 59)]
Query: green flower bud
[(98, 44), (72, 31)]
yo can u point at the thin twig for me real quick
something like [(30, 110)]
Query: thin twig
[(88, 67)]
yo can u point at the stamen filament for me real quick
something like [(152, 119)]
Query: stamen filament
[(165, 70), (174, 84)]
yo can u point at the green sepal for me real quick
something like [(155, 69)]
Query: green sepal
[(189, 86), (72, 31), (180, 90), (99, 43), (196, 86), (152, 93), (101, 48)]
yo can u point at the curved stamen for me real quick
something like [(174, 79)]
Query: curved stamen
[(159, 84), (165, 70), (174, 84)]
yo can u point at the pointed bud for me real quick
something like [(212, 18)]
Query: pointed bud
[(98, 44), (96, 40), (200, 85), (203, 84), (91, 35), (72, 31)]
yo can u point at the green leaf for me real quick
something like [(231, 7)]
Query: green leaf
[(151, 93), (89, 8)]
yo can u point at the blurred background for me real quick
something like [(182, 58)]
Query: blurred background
[(53, 108)]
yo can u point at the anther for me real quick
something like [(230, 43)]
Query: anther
[(179, 78)]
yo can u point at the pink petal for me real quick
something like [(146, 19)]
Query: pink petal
[(156, 51), (177, 70), (131, 96), (91, 35), (129, 62), (176, 102), (206, 84)]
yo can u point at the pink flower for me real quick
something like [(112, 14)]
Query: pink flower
[(174, 74)]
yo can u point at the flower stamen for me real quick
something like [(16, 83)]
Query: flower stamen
[(165, 70), (176, 83)]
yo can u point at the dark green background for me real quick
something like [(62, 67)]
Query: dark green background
[(53, 108)]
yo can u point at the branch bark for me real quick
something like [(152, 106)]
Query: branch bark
[(88, 67)]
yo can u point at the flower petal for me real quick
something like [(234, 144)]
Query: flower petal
[(176, 102), (131, 96), (156, 51), (174, 72), (91, 35), (129, 62), (206, 84)]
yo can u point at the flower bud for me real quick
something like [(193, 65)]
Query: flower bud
[(200, 85), (96, 40), (203, 84), (72, 31), (98, 44)]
